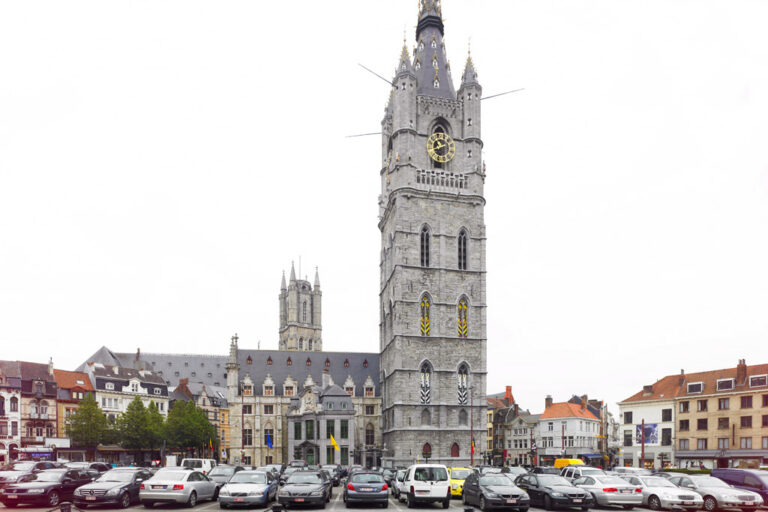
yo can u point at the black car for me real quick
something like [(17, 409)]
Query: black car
[(99, 467), (545, 470), (118, 486), (18, 471), (305, 488), (47, 487), (334, 470), (493, 491), (552, 491)]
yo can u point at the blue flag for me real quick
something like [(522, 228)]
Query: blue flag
[(269, 441)]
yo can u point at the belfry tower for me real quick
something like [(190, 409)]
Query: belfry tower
[(432, 289), (301, 325)]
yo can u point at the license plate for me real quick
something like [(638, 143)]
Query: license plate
[(366, 489), (577, 500), (626, 491), (422, 492), (687, 503), (511, 501), (158, 487), (90, 498), (299, 499), (239, 500)]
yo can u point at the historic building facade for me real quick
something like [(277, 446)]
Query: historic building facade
[(433, 279), (300, 314), (10, 410)]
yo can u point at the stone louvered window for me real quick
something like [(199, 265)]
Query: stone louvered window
[(462, 249), (463, 384), (424, 315), (463, 317), (425, 384), (425, 239)]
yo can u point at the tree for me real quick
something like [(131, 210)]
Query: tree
[(155, 427), (87, 425), (133, 426), (188, 427)]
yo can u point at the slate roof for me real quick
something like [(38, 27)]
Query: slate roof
[(566, 410), (167, 365), (279, 370), (103, 356), (123, 373), (12, 373), (676, 386), (36, 371), (431, 28)]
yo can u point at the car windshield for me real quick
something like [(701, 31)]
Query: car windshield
[(48, 476), (494, 480), (709, 481), (246, 477), (367, 478), (516, 471), (592, 471), (116, 476), (222, 472), (20, 466), (290, 470), (305, 478), (192, 463), (460, 474), (656, 481), (430, 474), (545, 480), (612, 480), (171, 475)]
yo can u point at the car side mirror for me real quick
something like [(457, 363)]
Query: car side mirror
[(282, 483)]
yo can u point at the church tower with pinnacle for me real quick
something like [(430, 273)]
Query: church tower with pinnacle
[(301, 314), (433, 280)]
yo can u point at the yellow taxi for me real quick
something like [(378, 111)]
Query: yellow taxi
[(457, 476)]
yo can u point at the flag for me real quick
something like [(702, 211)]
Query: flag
[(334, 443), (473, 447), (269, 441), (210, 443)]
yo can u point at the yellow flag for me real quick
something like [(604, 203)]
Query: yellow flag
[(334, 444)]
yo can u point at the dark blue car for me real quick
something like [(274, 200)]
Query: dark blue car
[(750, 479), (366, 487)]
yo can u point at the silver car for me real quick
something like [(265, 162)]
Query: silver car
[(611, 490), (659, 493), (718, 494), (180, 486), (248, 488)]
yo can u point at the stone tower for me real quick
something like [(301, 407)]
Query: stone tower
[(432, 298), (300, 314)]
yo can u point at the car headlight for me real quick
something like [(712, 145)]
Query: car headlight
[(525, 496), (492, 495), (283, 493), (224, 491), (316, 493), (115, 491), (36, 491), (558, 494)]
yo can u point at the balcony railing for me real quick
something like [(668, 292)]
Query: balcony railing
[(38, 415)]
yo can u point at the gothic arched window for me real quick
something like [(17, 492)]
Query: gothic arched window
[(426, 418), (424, 315), (426, 451), (455, 450), (310, 344), (463, 383), (301, 343), (14, 404), (462, 246), (463, 317), (425, 382), (425, 239)]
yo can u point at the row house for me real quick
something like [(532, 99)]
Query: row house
[(72, 389), (116, 386), (567, 430), (213, 401), (520, 439), (502, 410), (10, 410), (39, 415), (715, 418)]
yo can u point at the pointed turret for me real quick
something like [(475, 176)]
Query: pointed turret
[(282, 283), (470, 74), (404, 66), (317, 279), (430, 63), (293, 273), (470, 93)]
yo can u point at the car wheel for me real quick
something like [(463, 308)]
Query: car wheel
[(483, 504), (654, 503), (386, 504), (464, 499), (222, 505), (147, 504), (215, 494), (53, 499), (447, 502), (125, 500), (192, 501), (710, 503), (409, 500), (547, 502)]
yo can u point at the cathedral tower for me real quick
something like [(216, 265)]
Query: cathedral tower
[(300, 314), (432, 289)]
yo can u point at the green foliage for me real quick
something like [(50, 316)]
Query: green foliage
[(133, 426), (87, 425), (155, 427), (188, 427)]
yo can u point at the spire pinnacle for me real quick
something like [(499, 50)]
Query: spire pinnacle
[(470, 74), (404, 66), (282, 283), (317, 279), (293, 273)]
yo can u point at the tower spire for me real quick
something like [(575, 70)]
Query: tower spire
[(470, 74), (430, 63), (282, 283), (317, 279), (293, 272)]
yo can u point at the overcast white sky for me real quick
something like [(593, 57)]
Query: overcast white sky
[(161, 163)]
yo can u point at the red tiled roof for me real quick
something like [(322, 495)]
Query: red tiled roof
[(496, 403), (675, 386), (68, 380), (567, 410)]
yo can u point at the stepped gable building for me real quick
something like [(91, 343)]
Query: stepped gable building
[(433, 275), (10, 410)]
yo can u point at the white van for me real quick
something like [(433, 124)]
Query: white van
[(203, 465), (427, 483)]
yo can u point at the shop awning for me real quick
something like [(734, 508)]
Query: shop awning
[(591, 456), (36, 449)]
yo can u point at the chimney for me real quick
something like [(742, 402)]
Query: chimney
[(548, 402), (50, 367), (508, 396), (648, 390), (681, 379), (517, 411), (741, 372), (326, 378)]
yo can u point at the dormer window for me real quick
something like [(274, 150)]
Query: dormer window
[(309, 362), (369, 391), (421, 45), (329, 405), (365, 364), (134, 387), (436, 83), (110, 386), (249, 360), (269, 390), (350, 390), (433, 44), (80, 382), (757, 381), (327, 363), (269, 361), (418, 65), (158, 391), (288, 390), (724, 384), (695, 387), (346, 363), (288, 362), (247, 390)]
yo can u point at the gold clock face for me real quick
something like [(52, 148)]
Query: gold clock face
[(440, 147)]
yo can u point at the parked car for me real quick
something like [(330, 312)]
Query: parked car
[(17, 471), (119, 486), (305, 488), (717, 494), (397, 484), (572, 473), (248, 488), (551, 491), (100, 467), (753, 480), (659, 493), (610, 490), (178, 486), (221, 473), (514, 471), (545, 470), (561, 463), (297, 463), (334, 471), (366, 487), (47, 487), (619, 470), (494, 491), (288, 472), (388, 474), (458, 475), (427, 483), (202, 465)]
